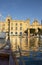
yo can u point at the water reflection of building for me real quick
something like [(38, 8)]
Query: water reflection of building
[(20, 32)]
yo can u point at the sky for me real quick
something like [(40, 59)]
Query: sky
[(21, 9)]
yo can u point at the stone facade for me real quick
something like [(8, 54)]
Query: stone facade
[(16, 29)]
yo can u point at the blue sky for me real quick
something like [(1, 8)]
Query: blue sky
[(22, 9)]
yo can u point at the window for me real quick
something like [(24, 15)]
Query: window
[(20, 28), (16, 33), (20, 33), (8, 19), (20, 24), (16, 28), (16, 24)]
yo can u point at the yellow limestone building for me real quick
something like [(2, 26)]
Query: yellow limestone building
[(16, 29)]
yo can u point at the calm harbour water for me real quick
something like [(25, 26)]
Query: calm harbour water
[(31, 57)]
